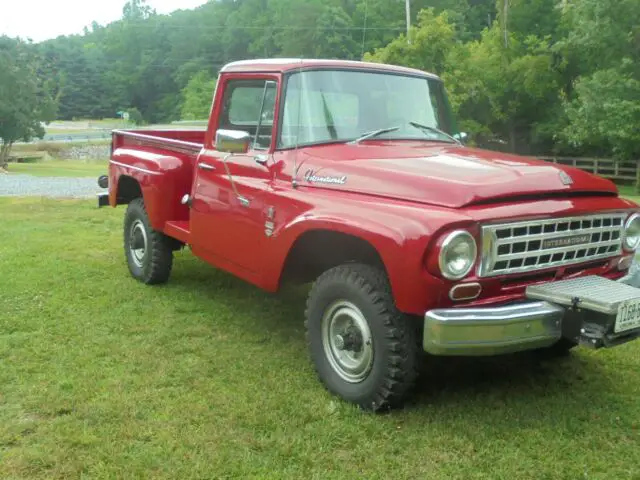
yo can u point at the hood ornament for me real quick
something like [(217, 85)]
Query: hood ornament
[(565, 178)]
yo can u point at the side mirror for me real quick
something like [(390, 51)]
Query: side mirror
[(232, 141), (462, 136)]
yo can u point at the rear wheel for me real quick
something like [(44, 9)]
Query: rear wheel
[(148, 252), (363, 349)]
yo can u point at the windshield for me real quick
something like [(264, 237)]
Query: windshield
[(325, 106)]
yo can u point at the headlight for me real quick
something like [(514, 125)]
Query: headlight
[(458, 254), (631, 237)]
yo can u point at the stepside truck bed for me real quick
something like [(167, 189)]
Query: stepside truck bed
[(161, 163), (180, 141)]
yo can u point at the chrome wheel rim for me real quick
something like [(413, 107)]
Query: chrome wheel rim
[(138, 243), (347, 341)]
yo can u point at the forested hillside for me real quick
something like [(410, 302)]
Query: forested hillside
[(525, 75)]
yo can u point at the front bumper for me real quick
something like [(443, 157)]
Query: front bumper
[(528, 325)]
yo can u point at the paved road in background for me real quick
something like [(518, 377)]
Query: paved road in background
[(93, 134), (71, 138), (77, 137)]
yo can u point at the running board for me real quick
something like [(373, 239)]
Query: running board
[(179, 230)]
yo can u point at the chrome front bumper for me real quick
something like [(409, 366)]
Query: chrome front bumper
[(492, 331)]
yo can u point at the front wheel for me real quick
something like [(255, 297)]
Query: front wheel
[(148, 252), (363, 349)]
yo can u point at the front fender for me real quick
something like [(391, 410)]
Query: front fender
[(399, 235)]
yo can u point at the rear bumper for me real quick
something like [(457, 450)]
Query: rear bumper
[(103, 197), (103, 200), (528, 325)]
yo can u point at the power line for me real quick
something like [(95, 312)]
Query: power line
[(240, 27)]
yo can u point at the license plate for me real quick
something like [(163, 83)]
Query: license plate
[(628, 316)]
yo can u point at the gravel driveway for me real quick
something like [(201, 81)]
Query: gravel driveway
[(59, 187)]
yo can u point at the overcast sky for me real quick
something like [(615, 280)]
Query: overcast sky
[(44, 19)]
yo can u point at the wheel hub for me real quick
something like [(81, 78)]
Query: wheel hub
[(138, 240), (351, 340), (138, 243), (346, 338)]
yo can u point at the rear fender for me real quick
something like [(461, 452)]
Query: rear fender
[(163, 180)]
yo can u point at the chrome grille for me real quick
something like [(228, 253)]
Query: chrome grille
[(534, 245)]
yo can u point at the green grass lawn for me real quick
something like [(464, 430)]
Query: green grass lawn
[(629, 191), (207, 377), (61, 168)]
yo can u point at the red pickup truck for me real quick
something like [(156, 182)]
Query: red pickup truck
[(353, 176)]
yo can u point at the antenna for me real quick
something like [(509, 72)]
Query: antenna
[(294, 178)]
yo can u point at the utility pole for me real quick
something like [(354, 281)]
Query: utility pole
[(505, 16), (408, 11)]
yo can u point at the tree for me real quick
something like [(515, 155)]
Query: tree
[(541, 76), (136, 10), (470, 17), (332, 37), (602, 103), (606, 125), (25, 99), (431, 44), (507, 91), (599, 34), (135, 116), (540, 18), (198, 95)]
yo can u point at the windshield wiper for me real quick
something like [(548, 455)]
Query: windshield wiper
[(434, 129), (328, 119), (374, 133)]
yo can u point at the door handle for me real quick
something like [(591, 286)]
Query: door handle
[(261, 159), (206, 166), (244, 201)]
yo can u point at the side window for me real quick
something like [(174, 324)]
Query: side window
[(249, 105)]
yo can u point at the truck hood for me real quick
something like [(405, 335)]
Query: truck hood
[(441, 174)]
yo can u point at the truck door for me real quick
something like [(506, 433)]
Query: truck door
[(228, 212)]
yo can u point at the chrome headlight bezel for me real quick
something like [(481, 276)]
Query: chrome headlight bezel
[(450, 241), (633, 218)]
